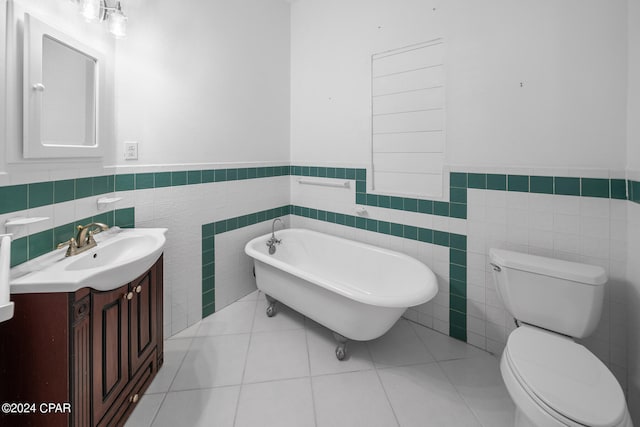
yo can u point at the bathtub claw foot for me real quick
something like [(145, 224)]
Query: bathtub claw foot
[(271, 309), (341, 349)]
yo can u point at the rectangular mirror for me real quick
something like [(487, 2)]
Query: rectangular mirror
[(62, 81), (69, 95)]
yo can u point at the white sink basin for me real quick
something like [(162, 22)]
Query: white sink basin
[(120, 257)]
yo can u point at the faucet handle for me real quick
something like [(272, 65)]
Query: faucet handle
[(72, 249), (70, 242), (90, 239)]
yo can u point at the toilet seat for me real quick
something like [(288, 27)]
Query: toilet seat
[(563, 379)]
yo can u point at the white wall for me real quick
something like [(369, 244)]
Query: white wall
[(204, 81), (537, 88), (633, 92), (183, 210), (570, 57), (633, 303), (64, 16), (633, 213), (199, 84)]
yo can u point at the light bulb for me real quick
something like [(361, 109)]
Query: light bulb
[(118, 23), (90, 9)]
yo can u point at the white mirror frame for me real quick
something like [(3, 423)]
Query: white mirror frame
[(34, 31)]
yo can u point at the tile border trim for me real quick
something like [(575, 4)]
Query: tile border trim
[(26, 196)]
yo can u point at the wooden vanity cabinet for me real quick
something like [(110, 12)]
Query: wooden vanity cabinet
[(98, 351)]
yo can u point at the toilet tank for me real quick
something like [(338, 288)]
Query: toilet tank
[(561, 296)]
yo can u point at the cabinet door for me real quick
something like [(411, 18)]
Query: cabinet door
[(143, 319), (110, 318)]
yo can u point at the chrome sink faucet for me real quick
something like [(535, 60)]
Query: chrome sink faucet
[(84, 239), (272, 242)]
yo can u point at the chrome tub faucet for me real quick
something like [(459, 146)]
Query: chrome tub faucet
[(272, 242)]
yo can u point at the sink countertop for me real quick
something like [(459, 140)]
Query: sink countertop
[(121, 255)]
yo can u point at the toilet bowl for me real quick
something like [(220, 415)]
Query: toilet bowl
[(553, 380)]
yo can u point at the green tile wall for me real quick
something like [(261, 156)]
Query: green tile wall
[(64, 191), (40, 194), (634, 191), (161, 179), (409, 204), (567, 186), (613, 188), (13, 198), (209, 232), (541, 184), (19, 197), (496, 182)]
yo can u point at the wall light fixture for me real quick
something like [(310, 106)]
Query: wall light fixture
[(102, 10)]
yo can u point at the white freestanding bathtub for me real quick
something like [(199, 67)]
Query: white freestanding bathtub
[(357, 290)]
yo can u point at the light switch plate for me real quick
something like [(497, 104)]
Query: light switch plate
[(130, 150)]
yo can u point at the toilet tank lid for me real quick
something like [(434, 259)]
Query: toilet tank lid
[(574, 271)]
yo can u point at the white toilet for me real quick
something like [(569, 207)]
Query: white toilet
[(553, 380)]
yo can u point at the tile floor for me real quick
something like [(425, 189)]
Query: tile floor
[(240, 368)]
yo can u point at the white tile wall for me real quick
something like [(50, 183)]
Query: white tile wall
[(234, 269), (633, 310), (575, 228), (583, 229), (433, 314), (183, 210)]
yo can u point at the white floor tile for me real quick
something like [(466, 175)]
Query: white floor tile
[(199, 408), (283, 371), (322, 356), (311, 324), (277, 355), (190, 332), (213, 361), (351, 399), (422, 396), (480, 383), (174, 353), (253, 296), (443, 347), (287, 403), (236, 318), (145, 411), (285, 318), (399, 347)]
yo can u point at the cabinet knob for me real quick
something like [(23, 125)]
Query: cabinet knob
[(138, 289), (128, 295), (134, 398)]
